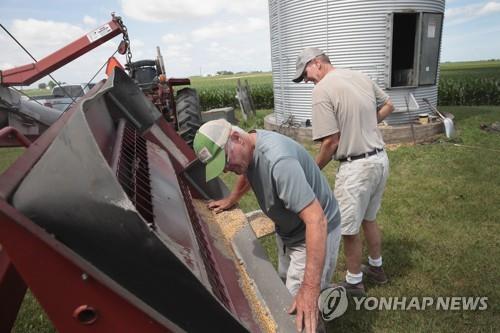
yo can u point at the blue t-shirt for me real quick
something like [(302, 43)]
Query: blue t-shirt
[(285, 180)]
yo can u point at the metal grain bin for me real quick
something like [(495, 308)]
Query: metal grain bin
[(396, 43)]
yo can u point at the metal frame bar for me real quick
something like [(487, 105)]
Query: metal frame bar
[(27, 74)]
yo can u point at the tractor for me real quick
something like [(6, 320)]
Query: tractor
[(183, 111)]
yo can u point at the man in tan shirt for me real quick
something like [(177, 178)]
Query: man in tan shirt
[(347, 106)]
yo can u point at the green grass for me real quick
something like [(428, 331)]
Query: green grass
[(7, 156), (440, 219), (462, 65), (37, 92), (474, 68), (32, 318), (230, 80), (471, 73)]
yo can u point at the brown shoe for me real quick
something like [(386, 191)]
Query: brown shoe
[(356, 290), (374, 274)]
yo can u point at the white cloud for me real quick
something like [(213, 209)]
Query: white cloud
[(229, 55), (173, 38), (6, 65), (137, 48), (178, 50), (224, 29), (489, 8), (158, 10), (471, 12), (45, 35), (136, 43), (89, 20), (162, 10)]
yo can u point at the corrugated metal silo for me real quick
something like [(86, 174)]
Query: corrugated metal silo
[(396, 43)]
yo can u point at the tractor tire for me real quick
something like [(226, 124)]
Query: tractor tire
[(188, 114)]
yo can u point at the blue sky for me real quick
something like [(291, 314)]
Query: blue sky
[(199, 36)]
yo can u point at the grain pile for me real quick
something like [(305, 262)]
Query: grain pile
[(223, 227), (261, 224)]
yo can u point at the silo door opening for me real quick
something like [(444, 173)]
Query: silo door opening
[(404, 33), (414, 52)]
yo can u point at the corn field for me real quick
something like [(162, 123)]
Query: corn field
[(472, 91), (220, 91), (470, 83), (214, 97), (473, 83)]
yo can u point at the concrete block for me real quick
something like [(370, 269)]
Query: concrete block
[(221, 113)]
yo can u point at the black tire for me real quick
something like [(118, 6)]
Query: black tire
[(188, 114)]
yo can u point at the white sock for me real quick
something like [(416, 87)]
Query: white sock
[(375, 262), (354, 278)]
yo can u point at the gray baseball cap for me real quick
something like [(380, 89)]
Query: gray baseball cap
[(304, 57)]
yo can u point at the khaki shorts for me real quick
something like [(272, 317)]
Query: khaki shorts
[(292, 261), (359, 186)]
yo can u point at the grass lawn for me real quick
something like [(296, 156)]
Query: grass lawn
[(220, 81), (474, 69), (440, 220), (471, 70)]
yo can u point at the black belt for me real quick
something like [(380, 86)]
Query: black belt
[(365, 155)]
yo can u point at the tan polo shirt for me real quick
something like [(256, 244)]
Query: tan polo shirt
[(347, 101)]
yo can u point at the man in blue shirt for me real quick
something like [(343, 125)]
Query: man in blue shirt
[(292, 192)]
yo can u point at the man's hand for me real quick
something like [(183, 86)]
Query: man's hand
[(385, 110), (241, 187), (305, 306), (328, 147), (306, 300), (221, 205)]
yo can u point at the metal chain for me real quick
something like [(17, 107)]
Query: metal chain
[(126, 39)]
